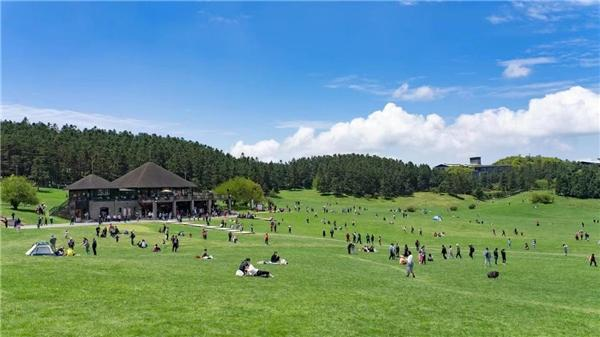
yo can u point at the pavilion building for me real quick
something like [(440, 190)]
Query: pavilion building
[(145, 192)]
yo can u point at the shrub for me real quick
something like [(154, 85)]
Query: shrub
[(544, 198), (472, 206), (453, 208), (411, 209)]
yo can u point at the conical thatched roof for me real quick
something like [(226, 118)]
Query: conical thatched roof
[(151, 175), (90, 182)]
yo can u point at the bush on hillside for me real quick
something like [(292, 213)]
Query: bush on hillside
[(544, 198), (472, 206)]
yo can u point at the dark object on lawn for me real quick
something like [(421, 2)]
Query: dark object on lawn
[(493, 274)]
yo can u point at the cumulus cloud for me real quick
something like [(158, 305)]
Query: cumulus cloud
[(394, 131), (522, 67)]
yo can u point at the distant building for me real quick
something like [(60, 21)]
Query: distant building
[(475, 164), (146, 191)]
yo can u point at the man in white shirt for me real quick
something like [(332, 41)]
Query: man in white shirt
[(410, 265)]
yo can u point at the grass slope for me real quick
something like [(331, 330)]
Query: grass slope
[(128, 291), (52, 197)]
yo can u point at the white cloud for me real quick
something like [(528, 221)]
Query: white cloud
[(422, 93), (396, 132), (60, 117), (16, 112), (522, 67), (498, 19), (401, 93), (294, 124)]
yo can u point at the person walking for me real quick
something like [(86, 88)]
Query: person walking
[(444, 252), (458, 256), (410, 265), (266, 238), (503, 254), (94, 246), (471, 251), (593, 260), (132, 236), (495, 255)]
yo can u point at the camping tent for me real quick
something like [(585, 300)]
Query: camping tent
[(40, 248), (437, 218)]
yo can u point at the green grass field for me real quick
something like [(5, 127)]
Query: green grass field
[(128, 291), (52, 197)]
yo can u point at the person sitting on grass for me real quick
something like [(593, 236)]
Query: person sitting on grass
[(142, 244), (205, 255), (156, 248), (247, 269), (275, 258), (60, 252)]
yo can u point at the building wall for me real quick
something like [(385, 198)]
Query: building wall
[(113, 207)]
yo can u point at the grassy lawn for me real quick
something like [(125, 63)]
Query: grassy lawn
[(128, 291), (52, 197)]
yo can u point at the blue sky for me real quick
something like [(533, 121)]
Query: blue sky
[(409, 80)]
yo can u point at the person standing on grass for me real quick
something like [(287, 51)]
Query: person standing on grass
[(324, 234), (267, 239), (495, 255), (347, 237), (471, 251), (565, 249), (53, 241), (509, 243), (487, 257), (331, 232), (450, 252), (458, 252), (94, 246), (410, 265), (503, 253), (593, 259), (98, 231), (175, 243), (359, 239), (289, 229), (444, 252), (86, 245), (417, 244), (132, 237), (392, 250)]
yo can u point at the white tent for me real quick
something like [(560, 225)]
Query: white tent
[(437, 218), (40, 248)]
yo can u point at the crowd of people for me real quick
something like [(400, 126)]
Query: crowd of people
[(352, 236)]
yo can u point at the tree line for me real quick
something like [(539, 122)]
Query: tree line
[(52, 155)]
